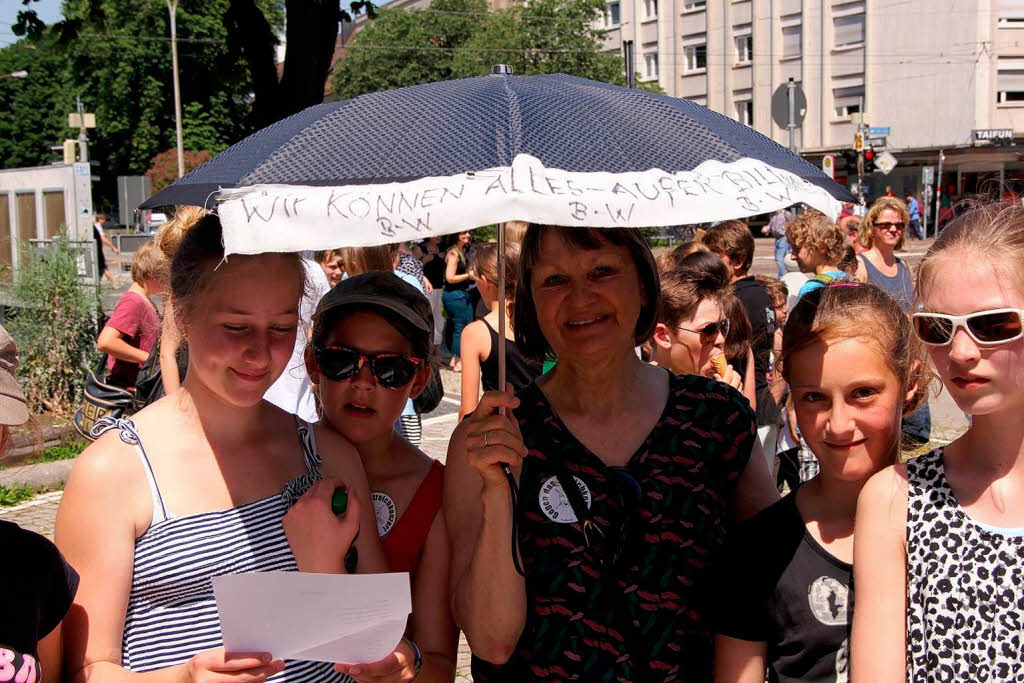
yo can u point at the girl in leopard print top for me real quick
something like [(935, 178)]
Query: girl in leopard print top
[(940, 569)]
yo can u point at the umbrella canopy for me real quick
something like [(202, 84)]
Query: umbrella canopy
[(436, 158)]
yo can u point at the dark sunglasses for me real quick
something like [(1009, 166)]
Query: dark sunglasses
[(391, 370), (711, 330), (988, 328), (885, 225), (629, 494)]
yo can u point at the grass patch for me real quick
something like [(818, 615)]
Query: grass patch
[(15, 495), (64, 451)]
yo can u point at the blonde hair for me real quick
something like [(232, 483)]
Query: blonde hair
[(673, 259), (150, 263), (484, 263), (881, 204), (993, 230), (515, 231), (170, 234), (813, 229)]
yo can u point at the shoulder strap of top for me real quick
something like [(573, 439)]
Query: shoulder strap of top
[(310, 453), (426, 501), (130, 435)]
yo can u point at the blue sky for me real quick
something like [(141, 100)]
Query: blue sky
[(48, 10)]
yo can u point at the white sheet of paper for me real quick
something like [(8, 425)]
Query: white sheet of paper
[(354, 619)]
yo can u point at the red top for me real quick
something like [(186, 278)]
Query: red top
[(404, 543), (136, 319)]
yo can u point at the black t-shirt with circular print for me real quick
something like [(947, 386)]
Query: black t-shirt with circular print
[(632, 604), (39, 588)]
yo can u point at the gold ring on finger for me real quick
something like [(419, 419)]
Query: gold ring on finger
[(485, 439)]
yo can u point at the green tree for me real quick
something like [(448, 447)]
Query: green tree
[(542, 36), (407, 47)]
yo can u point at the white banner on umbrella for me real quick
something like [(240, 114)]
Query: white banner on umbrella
[(262, 218)]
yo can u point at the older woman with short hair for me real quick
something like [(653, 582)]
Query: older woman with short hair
[(628, 478)]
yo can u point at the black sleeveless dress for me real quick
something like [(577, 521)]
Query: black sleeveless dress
[(519, 371)]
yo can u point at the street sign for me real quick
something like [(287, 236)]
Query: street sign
[(885, 162), (879, 142), (780, 105), (927, 175), (994, 135), (75, 120), (880, 131), (828, 165)]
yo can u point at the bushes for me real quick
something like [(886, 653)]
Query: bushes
[(54, 327)]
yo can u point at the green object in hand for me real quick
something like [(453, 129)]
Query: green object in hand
[(339, 501)]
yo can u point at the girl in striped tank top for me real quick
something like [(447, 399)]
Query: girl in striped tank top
[(940, 582), (200, 484)]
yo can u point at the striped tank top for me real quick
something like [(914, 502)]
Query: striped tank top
[(172, 612)]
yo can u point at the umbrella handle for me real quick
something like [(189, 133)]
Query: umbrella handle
[(502, 308)]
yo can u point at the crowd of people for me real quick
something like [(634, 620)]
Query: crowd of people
[(613, 512)]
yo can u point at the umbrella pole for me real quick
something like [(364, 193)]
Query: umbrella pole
[(502, 308)]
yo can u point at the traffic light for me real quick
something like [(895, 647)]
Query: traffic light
[(70, 155), (846, 161), (869, 161), (858, 141)]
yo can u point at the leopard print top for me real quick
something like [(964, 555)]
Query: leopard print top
[(965, 587)]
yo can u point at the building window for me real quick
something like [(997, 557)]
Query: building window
[(1011, 13), (651, 65), (612, 15), (848, 24), (792, 40), (651, 9), (696, 57), (743, 48), (694, 4), (745, 112), (1010, 80), (847, 100)]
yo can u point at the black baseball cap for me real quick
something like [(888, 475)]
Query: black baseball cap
[(399, 301)]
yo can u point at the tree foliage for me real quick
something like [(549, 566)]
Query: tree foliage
[(460, 38), (164, 168)]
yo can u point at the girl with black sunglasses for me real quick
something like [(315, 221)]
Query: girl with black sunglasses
[(940, 585), (370, 351)]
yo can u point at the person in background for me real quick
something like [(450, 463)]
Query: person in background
[(480, 338), (941, 582), (293, 392), (409, 264), (332, 262), (456, 296), (733, 243), (432, 257), (777, 228), (620, 433), (202, 482), (914, 211), (39, 584), (738, 351), (101, 238), (370, 353), (882, 233), (855, 369), (134, 326), (819, 247)]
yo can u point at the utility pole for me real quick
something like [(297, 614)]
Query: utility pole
[(627, 49), (83, 139), (938, 190), (860, 153), (791, 95), (172, 8)]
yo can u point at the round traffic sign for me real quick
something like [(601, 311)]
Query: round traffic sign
[(780, 105)]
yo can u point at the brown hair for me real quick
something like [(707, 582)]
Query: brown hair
[(813, 229), (848, 310), (737, 342), (484, 263), (169, 235), (699, 276), (881, 204), (992, 230), (200, 250), (777, 290), (672, 259), (529, 337), (732, 239), (149, 263), (364, 259), (323, 257)]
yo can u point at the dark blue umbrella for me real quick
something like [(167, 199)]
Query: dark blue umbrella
[(548, 124)]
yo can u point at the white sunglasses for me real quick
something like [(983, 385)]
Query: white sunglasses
[(987, 328)]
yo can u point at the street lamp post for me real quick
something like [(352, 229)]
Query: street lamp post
[(172, 8)]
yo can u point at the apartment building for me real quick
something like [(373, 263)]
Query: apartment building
[(944, 76)]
